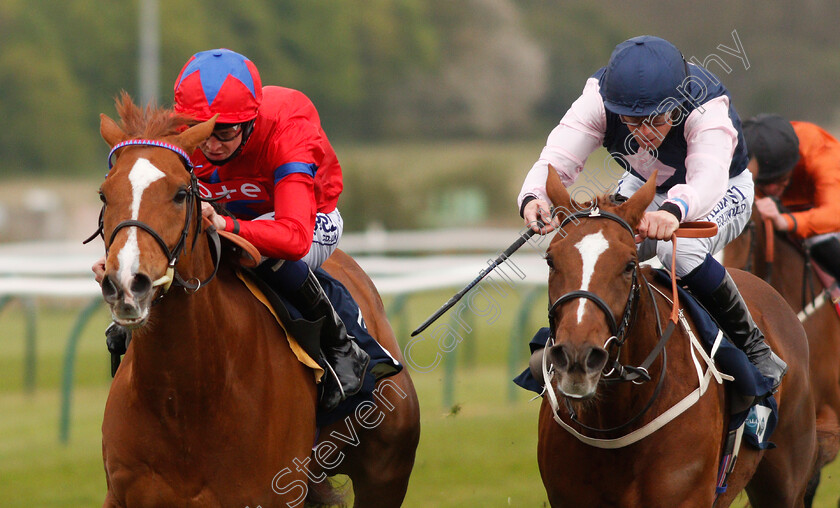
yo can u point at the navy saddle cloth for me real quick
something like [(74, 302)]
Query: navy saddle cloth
[(761, 418), (381, 365)]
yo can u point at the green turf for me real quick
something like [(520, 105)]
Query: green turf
[(52, 328), (477, 449)]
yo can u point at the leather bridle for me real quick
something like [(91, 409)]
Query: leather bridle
[(618, 329), (172, 254)]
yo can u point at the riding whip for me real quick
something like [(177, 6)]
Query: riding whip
[(460, 294)]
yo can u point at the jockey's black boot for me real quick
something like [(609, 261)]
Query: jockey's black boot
[(347, 360), (827, 255), (729, 309), (117, 339)]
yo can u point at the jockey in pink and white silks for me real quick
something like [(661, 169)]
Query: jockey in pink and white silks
[(653, 111)]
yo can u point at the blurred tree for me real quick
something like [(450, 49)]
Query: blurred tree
[(579, 37), (343, 55), (380, 69), (45, 92), (490, 75), (62, 63)]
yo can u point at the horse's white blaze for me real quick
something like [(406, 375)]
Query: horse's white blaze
[(590, 247), (143, 174)]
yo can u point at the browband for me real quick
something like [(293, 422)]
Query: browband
[(150, 142)]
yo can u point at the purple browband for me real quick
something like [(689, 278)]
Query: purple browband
[(149, 142)]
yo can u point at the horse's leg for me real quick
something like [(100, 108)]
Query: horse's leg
[(811, 491), (775, 490), (784, 473), (381, 465), (110, 501), (382, 484)]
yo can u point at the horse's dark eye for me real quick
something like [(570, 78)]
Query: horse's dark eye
[(629, 267), (102, 197), (180, 196), (549, 261)]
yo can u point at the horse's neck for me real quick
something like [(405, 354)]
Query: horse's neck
[(182, 346), (179, 347), (644, 333)]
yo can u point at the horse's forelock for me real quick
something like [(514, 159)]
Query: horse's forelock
[(604, 203), (151, 122), (607, 203)]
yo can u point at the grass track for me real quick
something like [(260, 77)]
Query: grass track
[(478, 451)]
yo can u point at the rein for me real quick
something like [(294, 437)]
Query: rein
[(636, 374), (172, 254), (769, 249), (811, 298)]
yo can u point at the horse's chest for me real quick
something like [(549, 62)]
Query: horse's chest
[(160, 470), (652, 477)]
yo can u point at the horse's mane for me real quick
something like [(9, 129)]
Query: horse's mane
[(150, 122), (608, 203)]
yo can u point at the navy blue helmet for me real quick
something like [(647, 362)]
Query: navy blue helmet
[(642, 73)]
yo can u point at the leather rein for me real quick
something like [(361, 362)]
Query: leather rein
[(811, 295), (172, 254)]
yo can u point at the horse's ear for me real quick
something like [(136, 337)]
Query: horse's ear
[(111, 132), (634, 208), (192, 137), (556, 191)]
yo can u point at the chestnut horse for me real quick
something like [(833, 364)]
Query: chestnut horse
[(602, 456), (210, 406), (800, 286)]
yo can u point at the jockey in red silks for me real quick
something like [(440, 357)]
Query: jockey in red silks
[(270, 162)]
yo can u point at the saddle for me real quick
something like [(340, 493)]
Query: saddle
[(306, 348)]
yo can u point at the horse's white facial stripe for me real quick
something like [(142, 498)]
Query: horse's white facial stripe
[(590, 247), (141, 176)]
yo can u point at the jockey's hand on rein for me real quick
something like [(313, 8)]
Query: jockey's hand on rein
[(658, 225), (209, 212)]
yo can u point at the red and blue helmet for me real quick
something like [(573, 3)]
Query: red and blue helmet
[(219, 81), (642, 73)]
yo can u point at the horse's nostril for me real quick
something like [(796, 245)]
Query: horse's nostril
[(140, 285), (559, 357), (596, 359), (109, 289)]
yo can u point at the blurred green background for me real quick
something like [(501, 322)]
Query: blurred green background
[(412, 92), (419, 76), (437, 109), (390, 69)]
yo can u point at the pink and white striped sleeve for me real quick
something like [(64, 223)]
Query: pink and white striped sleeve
[(711, 138)]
